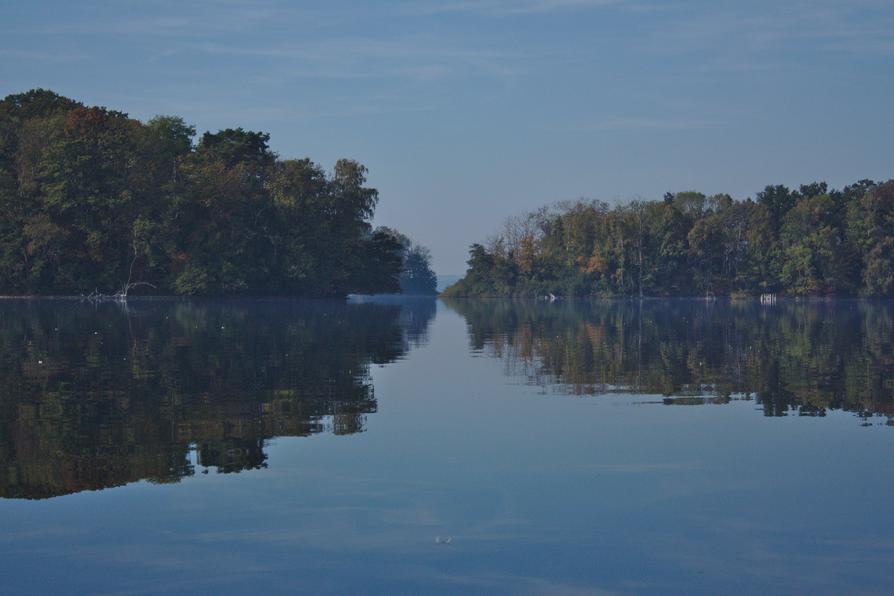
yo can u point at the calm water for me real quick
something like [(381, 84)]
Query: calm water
[(414, 446)]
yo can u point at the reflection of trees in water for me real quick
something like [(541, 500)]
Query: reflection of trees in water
[(96, 398), (793, 357), (416, 313)]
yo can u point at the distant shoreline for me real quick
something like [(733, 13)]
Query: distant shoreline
[(366, 298), (173, 297)]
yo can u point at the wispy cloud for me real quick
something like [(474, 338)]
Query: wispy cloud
[(507, 7), (42, 56), (170, 19), (778, 32), (352, 58), (645, 123), (634, 124)]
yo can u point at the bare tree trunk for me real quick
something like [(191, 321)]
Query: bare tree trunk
[(639, 212)]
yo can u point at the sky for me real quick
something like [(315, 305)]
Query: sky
[(467, 112)]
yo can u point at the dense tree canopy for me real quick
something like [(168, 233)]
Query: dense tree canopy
[(810, 241), (416, 276), (94, 200)]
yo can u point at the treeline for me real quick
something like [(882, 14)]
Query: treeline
[(809, 241), (94, 200)]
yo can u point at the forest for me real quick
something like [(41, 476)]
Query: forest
[(96, 201), (810, 241)]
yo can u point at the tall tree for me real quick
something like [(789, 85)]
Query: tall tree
[(95, 200)]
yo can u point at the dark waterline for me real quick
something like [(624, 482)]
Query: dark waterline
[(413, 446)]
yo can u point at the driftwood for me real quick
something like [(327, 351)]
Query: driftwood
[(119, 296)]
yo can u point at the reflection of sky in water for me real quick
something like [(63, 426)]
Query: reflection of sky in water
[(539, 495)]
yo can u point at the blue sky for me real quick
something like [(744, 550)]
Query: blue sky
[(468, 111)]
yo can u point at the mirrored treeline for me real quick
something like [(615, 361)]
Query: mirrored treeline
[(803, 358), (99, 396)]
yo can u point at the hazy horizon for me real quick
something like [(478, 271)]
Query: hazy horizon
[(469, 112)]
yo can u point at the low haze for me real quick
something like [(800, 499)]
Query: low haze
[(466, 112)]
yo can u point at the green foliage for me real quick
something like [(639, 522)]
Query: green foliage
[(871, 226), (812, 241), (95, 200), (416, 276)]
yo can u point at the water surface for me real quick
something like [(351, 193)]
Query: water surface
[(412, 446)]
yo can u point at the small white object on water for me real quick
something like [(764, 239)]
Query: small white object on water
[(439, 540), (40, 361)]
